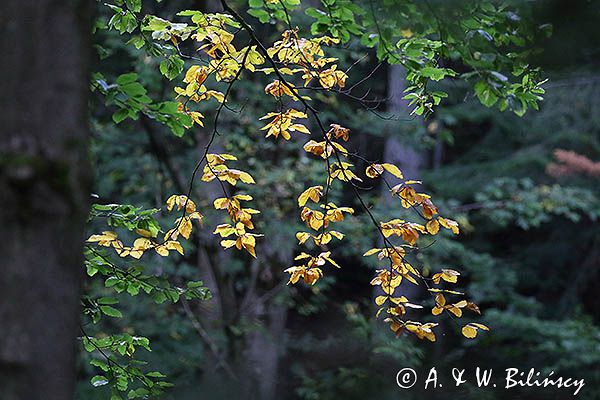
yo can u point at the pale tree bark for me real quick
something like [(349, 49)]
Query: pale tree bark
[(44, 193), (399, 151)]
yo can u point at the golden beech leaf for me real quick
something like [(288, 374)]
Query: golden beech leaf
[(246, 177), (184, 227), (449, 224), (302, 237), (144, 233), (433, 227), (448, 275), (337, 235), (422, 331), (469, 332), (174, 245), (323, 238), (107, 238), (299, 128), (379, 300), (392, 169), (371, 252), (248, 242), (278, 89), (440, 299), (316, 148), (221, 203), (313, 193), (429, 209), (227, 243), (196, 74), (162, 250), (224, 230), (142, 244), (460, 304)]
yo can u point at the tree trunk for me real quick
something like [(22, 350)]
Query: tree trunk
[(260, 364), (44, 192), (398, 151)]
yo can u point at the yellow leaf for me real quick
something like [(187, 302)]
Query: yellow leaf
[(371, 252), (174, 245), (162, 250), (246, 177), (299, 128), (449, 224), (302, 237), (392, 169), (227, 243), (469, 332), (379, 300), (337, 235), (433, 226), (184, 227), (313, 193), (221, 203)]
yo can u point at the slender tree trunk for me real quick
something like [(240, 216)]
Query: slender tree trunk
[(398, 150), (44, 193)]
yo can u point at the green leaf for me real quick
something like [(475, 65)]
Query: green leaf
[(120, 115), (111, 311), (127, 78), (171, 67), (107, 300)]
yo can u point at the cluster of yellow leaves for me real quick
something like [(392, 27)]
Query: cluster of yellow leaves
[(316, 220), (422, 331), (235, 210), (320, 220), (306, 57), (241, 217), (409, 198), (216, 168), (183, 226), (213, 31), (310, 271), (390, 279), (283, 123), (244, 240), (196, 91), (309, 56)]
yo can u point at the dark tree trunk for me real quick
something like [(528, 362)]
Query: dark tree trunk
[(44, 193)]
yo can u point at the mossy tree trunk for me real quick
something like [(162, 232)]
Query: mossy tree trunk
[(44, 192)]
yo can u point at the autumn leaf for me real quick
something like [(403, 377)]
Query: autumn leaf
[(470, 330), (313, 193)]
